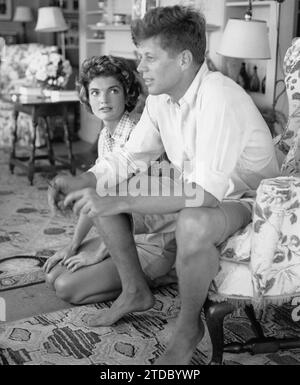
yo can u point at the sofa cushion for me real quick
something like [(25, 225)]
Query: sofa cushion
[(276, 263), (237, 247), (233, 282)]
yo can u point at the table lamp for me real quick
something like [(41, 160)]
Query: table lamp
[(51, 19), (245, 38), (23, 15)]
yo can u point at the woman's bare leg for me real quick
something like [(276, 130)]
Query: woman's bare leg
[(136, 295), (95, 283)]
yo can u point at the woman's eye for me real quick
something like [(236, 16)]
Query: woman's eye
[(94, 93), (114, 91)]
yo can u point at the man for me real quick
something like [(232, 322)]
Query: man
[(214, 135)]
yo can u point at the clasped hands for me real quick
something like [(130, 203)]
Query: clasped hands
[(88, 202), (66, 193)]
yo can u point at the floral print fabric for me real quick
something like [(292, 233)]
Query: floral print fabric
[(261, 263), (13, 68)]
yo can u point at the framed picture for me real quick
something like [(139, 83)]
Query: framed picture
[(5, 9)]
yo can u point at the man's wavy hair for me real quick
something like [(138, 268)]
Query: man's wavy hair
[(107, 66), (177, 27)]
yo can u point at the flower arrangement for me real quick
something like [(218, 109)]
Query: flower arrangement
[(49, 69)]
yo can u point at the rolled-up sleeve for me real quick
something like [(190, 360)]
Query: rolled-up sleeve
[(217, 143), (143, 146)]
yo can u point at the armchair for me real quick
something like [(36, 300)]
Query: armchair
[(12, 76), (260, 264)]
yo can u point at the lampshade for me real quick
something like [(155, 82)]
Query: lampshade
[(23, 14), (246, 39), (50, 19)]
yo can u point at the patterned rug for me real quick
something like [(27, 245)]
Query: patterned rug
[(21, 271), (28, 235), (62, 337)]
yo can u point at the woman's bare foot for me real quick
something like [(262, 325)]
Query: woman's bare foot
[(182, 346), (127, 302)]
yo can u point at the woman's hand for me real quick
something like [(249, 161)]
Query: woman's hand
[(86, 258), (60, 255)]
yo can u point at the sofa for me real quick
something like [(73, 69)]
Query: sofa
[(12, 76), (260, 264)]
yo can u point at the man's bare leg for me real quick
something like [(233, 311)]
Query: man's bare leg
[(196, 264), (135, 296), (194, 279), (198, 230)]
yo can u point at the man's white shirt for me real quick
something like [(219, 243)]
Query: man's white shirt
[(214, 134)]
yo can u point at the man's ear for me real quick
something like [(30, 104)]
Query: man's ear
[(186, 59)]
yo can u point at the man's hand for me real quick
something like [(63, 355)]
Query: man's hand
[(88, 202), (60, 187)]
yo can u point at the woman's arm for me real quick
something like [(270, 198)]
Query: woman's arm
[(82, 228)]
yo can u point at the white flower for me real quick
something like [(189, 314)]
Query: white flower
[(48, 67), (41, 75), (55, 58)]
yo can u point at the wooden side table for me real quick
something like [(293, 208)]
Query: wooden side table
[(42, 108)]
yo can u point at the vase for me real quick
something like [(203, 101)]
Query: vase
[(243, 78), (254, 81)]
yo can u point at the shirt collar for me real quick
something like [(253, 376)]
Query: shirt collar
[(191, 92)]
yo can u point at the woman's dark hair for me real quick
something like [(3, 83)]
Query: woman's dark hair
[(109, 66), (177, 27)]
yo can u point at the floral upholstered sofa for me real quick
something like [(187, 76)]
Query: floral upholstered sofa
[(12, 76), (261, 263)]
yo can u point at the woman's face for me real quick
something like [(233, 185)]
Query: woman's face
[(107, 99)]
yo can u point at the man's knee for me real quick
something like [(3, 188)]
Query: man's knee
[(194, 236), (194, 229)]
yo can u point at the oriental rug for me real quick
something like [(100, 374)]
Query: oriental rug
[(63, 338), (28, 233)]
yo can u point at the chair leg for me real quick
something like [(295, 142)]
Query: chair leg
[(214, 315), (255, 325)]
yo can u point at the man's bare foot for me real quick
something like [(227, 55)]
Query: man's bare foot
[(127, 302), (182, 346)]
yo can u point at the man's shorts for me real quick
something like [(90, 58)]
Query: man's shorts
[(154, 235), (236, 215), (156, 252)]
